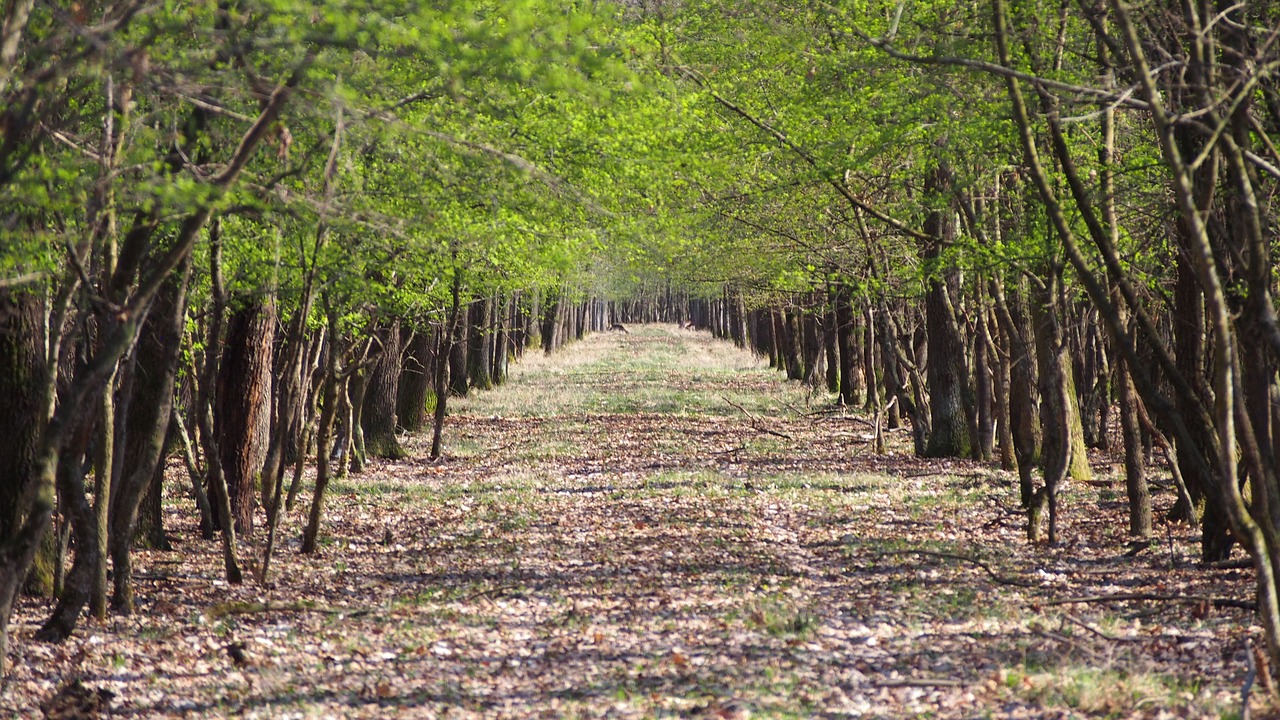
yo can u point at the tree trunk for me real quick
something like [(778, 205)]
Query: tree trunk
[(22, 362), (449, 336), (378, 418), (479, 340), (1055, 394), (950, 406), (324, 432), (242, 410), (415, 381), (984, 381), (459, 355), (846, 348), (1024, 402), (154, 373)]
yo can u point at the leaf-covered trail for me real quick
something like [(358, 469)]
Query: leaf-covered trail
[(624, 531)]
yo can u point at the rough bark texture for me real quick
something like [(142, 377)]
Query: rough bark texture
[(851, 382), (947, 375), (242, 410), (479, 339), (21, 362), (378, 418), (459, 381), (415, 380)]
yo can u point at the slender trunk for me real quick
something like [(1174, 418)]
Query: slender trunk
[(851, 380), (154, 374), (448, 337), (983, 383), (1024, 402), (1055, 393), (328, 411), (206, 393)]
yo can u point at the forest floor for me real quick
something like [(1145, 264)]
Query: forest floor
[(654, 524)]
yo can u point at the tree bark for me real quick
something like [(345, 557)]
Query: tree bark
[(154, 372), (950, 406), (22, 339), (378, 419), (416, 380), (1024, 403), (242, 409), (448, 337), (479, 341)]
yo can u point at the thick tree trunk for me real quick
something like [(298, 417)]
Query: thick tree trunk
[(851, 381), (415, 380), (830, 352), (791, 354), (950, 404), (479, 340), (378, 417), (502, 336), (79, 580), (1135, 478), (22, 386), (459, 352), (242, 410), (548, 326)]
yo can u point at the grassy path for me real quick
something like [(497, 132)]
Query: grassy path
[(652, 524)]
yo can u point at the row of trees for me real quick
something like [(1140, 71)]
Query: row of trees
[(1017, 224), (261, 235)]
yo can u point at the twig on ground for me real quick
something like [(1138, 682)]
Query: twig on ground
[(1218, 602), (1248, 681), (1059, 637), (1099, 631), (487, 593), (756, 422), (249, 608), (920, 682), (995, 577)]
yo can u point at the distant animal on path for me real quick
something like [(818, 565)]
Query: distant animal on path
[(618, 327)]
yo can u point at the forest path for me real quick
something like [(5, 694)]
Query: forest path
[(656, 524)]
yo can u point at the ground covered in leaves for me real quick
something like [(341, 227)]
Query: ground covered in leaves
[(653, 524)]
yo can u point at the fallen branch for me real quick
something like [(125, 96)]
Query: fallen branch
[(756, 423), (996, 577), (1099, 631), (1248, 682), (249, 608), (1218, 602), (920, 682), (491, 592)]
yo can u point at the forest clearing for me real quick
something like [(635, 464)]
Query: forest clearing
[(656, 525)]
